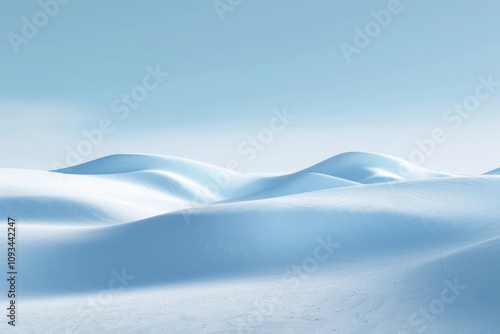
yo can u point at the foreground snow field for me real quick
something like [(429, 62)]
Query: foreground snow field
[(360, 243)]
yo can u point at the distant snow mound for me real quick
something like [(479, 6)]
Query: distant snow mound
[(493, 172), (370, 168), (301, 182), (127, 163), (184, 178), (327, 243), (268, 236)]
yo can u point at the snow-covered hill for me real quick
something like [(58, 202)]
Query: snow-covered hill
[(359, 243)]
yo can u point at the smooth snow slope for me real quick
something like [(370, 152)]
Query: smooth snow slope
[(353, 245), (259, 237), (494, 172), (128, 187), (371, 168)]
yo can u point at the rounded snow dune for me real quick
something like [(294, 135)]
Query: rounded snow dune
[(211, 181), (197, 180), (126, 163), (297, 183), (118, 189), (356, 224), (494, 172), (124, 188), (369, 168), (334, 248), (53, 198)]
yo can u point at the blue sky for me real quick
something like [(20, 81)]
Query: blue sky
[(231, 66)]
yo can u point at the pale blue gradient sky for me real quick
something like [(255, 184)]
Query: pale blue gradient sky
[(227, 76)]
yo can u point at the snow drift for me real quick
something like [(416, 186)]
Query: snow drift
[(356, 223)]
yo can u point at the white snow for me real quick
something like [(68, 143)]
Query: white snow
[(359, 243)]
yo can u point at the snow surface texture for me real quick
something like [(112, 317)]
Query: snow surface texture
[(359, 243)]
